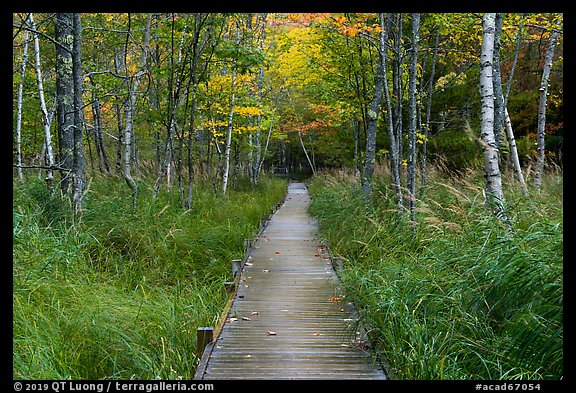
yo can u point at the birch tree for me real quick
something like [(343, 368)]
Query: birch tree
[(507, 122), (494, 192), (394, 153), (19, 106), (514, 151), (79, 180), (258, 145), (542, 108), (397, 87), (46, 116), (427, 127), (380, 81), (412, 152), (497, 81), (226, 173), (133, 84)]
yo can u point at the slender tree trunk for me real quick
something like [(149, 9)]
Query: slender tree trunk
[(129, 110), (427, 128), (265, 149), (517, 50), (514, 151), (79, 180), (19, 107), (260, 83), (63, 27), (380, 81), (494, 192), (190, 133), (542, 109), (226, 173), (411, 176), (175, 100), (498, 101), (119, 139), (229, 135), (397, 90), (307, 156), (99, 135), (394, 157)]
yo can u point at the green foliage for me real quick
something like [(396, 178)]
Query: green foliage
[(458, 148), (462, 297), (120, 294)]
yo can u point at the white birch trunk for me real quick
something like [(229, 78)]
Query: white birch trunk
[(394, 154), (494, 192), (306, 153), (412, 152), (19, 109), (514, 151), (129, 114), (226, 173), (542, 109), (379, 83), (47, 119)]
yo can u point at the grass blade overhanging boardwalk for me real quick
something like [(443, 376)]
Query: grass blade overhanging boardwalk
[(289, 319)]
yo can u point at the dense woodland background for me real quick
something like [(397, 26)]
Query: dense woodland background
[(144, 152)]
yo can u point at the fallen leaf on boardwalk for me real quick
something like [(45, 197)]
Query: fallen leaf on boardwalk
[(233, 319), (248, 356), (255, 313), (248, 264), (246, 319), (277, 252), (335, 299), (317, 334), (219, 346), (271, 333), (345, 345), (316, 255), (243, 279)]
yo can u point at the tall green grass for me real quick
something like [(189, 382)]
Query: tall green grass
[(121, 293), (463, 297)]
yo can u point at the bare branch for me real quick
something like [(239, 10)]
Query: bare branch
[(49, 167), (22, 27)]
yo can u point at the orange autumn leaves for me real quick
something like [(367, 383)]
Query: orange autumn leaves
[(362, 23)]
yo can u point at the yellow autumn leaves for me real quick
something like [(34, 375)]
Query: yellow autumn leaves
[(218, 105), (218, 127)]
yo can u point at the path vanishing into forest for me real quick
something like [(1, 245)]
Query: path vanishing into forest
[(289, 318)]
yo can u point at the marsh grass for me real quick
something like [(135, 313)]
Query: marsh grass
[(120, 294), (464, 297)]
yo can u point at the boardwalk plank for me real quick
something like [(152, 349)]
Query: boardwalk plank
[(297, 323)]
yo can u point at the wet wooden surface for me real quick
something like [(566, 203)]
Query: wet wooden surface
[(289, 319)]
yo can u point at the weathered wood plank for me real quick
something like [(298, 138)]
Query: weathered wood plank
[(289, 318)]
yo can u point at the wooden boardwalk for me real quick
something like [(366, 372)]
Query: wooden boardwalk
[(289, 318)]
